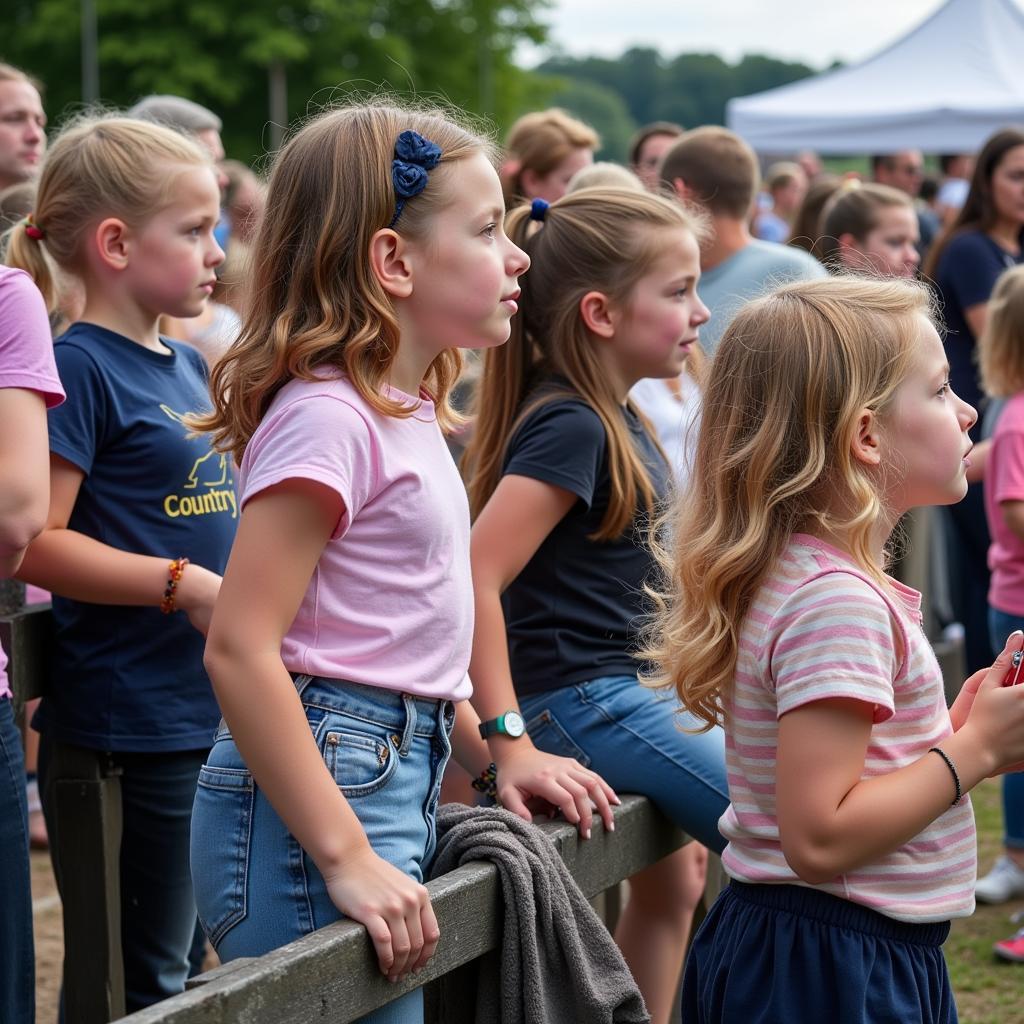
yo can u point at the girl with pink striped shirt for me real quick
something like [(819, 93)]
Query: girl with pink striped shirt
[(851, 840)]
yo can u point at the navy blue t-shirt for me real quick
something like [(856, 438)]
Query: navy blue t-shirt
[(967, 272), (574, 611), (131, 678)]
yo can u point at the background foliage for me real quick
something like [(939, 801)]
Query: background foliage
[(221, 53)]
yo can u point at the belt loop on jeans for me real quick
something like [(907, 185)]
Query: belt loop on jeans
[(301, 681), (410, 724)]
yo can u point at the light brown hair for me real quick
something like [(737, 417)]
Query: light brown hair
[(106, 166), (718, 167), (596, 239), (539, 142), (789, 379), (808, 217), (1001, 345), (854, 210), (314, 301)]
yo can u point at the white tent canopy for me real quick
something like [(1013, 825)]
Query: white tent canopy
[(943, 88)]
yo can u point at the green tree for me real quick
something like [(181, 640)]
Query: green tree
[(225, 53)]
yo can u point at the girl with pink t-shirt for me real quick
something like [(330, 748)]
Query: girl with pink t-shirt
[(851, 841), (341, 638), (1001, 351)]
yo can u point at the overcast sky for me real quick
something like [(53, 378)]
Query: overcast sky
[(813, 31)]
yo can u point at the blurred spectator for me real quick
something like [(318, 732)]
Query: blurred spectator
[(543, 151), (186, 116), (957, 169), (244, 200), (811, 164), (605, 175), (786, 186), (16, 202), (715, 169), (905, 170), (805, 225), (986, 238), (870, 228), (22, 126), (648, 147)]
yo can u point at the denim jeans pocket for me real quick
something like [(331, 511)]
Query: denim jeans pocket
[(360, 762), (221, 837), (548, 735)]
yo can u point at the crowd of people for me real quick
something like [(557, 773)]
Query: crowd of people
[(691, 404)]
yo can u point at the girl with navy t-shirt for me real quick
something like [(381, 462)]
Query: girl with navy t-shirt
[(141, 514)]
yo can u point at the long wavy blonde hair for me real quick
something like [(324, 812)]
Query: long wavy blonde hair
[(787, 384), (314, 301), (597, 239)]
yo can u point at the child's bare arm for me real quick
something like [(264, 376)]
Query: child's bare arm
[(280, 536), (513, 525), (85, 569), (831, 822)]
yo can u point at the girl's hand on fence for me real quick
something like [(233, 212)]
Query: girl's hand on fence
[(394, 908), (524, 772), (197, 594)]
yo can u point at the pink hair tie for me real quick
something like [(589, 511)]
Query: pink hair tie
[(33, 230)]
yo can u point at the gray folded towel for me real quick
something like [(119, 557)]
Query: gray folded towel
[(557, 964)]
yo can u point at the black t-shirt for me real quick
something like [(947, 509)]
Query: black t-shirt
[(573, 613), (967, 272)]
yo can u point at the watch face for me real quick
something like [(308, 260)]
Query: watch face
[(514, 725)]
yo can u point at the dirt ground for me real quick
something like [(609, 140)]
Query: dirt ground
[(49, 936)]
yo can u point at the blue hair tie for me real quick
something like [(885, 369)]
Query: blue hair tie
[(539, 209), (414, 156)]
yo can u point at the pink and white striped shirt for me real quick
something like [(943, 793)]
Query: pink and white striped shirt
[(818, 628)]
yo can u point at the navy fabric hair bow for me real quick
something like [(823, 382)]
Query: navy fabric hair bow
[(414, 157)]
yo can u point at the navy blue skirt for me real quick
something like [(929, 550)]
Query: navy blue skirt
[(786, 954)]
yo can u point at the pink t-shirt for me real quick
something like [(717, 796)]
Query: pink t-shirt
[(1004, 481), (26, 358), (820, 628), (390, 603)]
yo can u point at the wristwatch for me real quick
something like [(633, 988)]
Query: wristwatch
[(509, 724)]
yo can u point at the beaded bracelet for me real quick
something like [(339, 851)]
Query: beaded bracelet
[(487, 782), (952, 768), (175, 571)]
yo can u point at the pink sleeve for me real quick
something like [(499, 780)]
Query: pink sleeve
[(26, 346), (317, 437), (835, 638), (1005, 470)]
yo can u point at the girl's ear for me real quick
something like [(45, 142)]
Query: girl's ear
[(682, 190), (111, 242), (848, 250), (866, 444), (389, 259), (598, 315)]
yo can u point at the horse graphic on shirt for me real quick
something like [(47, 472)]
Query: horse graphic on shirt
[(219, 468)]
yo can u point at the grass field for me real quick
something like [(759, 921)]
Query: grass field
[(988, 991)]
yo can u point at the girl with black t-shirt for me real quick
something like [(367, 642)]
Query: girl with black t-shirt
[(565, 478)]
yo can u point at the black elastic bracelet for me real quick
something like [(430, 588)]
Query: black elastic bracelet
[(487, 782), (952, 768)]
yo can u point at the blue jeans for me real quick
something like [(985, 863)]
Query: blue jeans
[(17, 958), (630, 735), (255, 886), (1001, 625), (158, 913)]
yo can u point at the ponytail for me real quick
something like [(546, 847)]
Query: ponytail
[(26, 253)]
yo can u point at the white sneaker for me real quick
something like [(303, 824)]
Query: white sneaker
[(1004, 882)]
